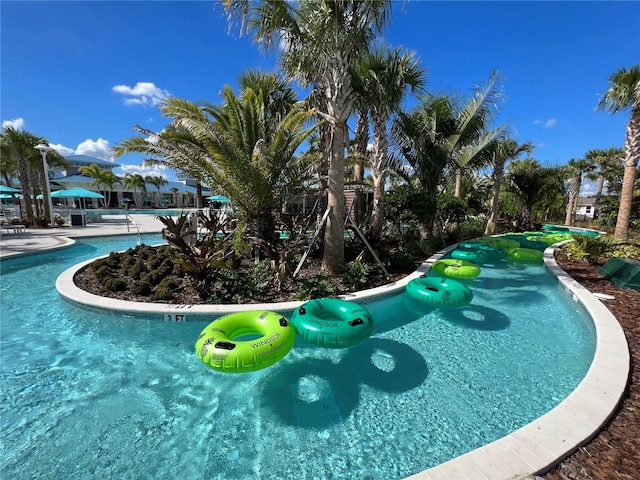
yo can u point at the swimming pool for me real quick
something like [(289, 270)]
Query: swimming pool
[(95, 395)]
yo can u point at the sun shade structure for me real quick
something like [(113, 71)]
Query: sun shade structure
[(76, 193), (5, 189), (219, 198)]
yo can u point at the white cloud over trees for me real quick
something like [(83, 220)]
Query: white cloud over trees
[(143, 93)]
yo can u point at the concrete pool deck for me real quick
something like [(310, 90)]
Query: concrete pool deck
[(532, 449)]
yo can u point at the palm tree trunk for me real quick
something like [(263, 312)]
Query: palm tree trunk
[(495, 199), (458, 191), (25, 186), (361, 140), (333, 256), (596, 205), (632, 152)]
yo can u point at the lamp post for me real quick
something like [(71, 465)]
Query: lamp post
[(43, 151)]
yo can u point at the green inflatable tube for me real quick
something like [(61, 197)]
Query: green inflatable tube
[(333, 322), (456, 268), (528, 254), (439, 292), (475, 255), (217, 348), (493, 252)]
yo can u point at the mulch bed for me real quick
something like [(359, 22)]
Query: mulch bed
[(615, 452)]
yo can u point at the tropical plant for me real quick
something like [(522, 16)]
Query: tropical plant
[(502, 151), (623, 94), (136, 183), (201, 260), (318, 41), (104, 178), (255, 171), (528, 183), (158, 182), (468, 145), (381, 80), (20, 145)]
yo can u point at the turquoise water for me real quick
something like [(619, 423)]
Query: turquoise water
[(89, 395)]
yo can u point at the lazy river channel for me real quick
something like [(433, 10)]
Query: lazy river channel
[(93, 394)]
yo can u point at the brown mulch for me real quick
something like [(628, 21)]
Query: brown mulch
[(614, 453)]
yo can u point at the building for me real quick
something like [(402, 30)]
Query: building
[(585, 208), (174, 194)]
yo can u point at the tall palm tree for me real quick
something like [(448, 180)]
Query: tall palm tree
[(319, 40), (20, 144), (604, 160), (158, 182), (381, 80), (575, 170), (502, 151), (136, 183), (105, 179), (623, 94)]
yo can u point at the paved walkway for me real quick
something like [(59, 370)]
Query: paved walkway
[(40, 239)]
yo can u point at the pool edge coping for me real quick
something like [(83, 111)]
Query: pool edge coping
[(533, 448)]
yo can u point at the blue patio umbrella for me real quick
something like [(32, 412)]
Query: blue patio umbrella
[(76, 193), (219, 198), (5, 189)]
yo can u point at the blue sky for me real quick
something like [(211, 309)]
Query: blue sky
[(81, 74)]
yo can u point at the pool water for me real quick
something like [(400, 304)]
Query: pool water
[(90, 395)]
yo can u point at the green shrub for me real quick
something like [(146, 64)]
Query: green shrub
[(358, 275), (424, 248), (471, 228), (102, 272), (630, 250), (317, 286), (401, 261), (141, 287), (116, 285), (589, 249)]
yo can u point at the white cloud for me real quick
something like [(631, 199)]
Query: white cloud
[(95, 148), (16, 123), (156, 170), (546, 123), (588, 188), (61, 149), (144, 93)]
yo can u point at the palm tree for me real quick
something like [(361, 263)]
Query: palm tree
[(319, 40), (158, 182), (604, 160), (382, 80), (528, 182), (174, 192), (575, 169), (103, 178), (253, 171), (468, 145), (502, 151), (624, 93), (20, 145), (135, 182)]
